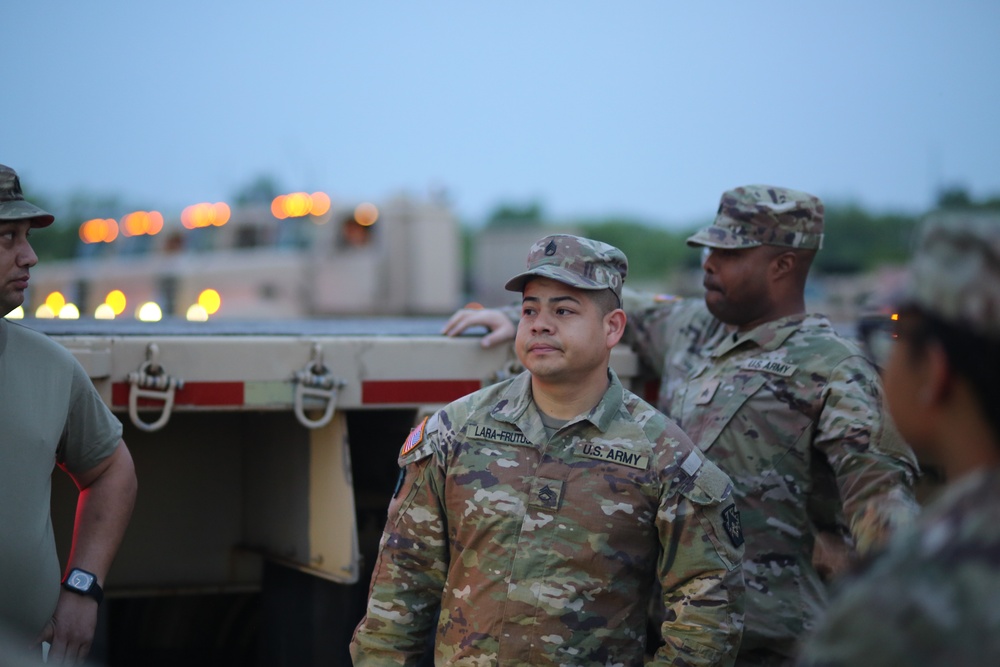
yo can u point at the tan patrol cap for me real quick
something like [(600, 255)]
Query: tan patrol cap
[(576, 261), (754, 215)]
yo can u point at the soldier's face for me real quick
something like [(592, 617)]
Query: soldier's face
[(908, 379), (562, 336), (16, 258), (736, 285)]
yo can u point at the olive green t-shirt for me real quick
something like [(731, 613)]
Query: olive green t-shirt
[(49, 412)]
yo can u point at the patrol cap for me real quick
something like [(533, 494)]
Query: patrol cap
[(576, 261), (12, 204), (955, 271), (754, 215)]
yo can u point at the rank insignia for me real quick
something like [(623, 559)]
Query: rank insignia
[(547, 494), (415, 438)]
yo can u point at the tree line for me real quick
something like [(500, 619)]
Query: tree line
[(857, 240)]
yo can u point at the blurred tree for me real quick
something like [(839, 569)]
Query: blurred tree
[(57, 242), (653, 252), (958, 197), (856, 240), (82, 206), (468, 243), (514, 215), (261, 190), (954, 197)]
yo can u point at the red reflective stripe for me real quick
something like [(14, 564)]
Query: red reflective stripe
[(416, 391), (373, 392), (193, 393)]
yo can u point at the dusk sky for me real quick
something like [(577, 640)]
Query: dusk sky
[(637, 108)]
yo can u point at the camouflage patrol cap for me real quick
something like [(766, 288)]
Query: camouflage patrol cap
[(955, 271), (12, 204), (576, 261), (754, 215)]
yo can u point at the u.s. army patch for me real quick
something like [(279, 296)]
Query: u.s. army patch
[(412, 440), (731, 522), (603, 452), (769, 366)]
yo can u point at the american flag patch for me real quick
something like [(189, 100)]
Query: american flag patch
[(414, 439)]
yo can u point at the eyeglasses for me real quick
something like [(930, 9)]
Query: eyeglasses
[(879, 333)]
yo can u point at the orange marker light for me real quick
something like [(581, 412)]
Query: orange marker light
[(99, 230), (222, 213), (278, 207), (298, 204), (366, 214), (320, 203), (205, 215), (139, 223)]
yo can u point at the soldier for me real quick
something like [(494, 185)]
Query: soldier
[(537, 513), (789, 409), (932, 598), (51, 415)]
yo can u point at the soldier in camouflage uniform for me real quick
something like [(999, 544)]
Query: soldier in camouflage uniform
[(931, 599), (789, 409), (537, 513)]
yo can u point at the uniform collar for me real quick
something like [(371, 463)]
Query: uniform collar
[(517, 407), (768, 336)]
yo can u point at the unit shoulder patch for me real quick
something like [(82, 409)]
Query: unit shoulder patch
[(731, 522)]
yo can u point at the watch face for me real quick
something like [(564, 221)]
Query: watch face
[(80, 580)]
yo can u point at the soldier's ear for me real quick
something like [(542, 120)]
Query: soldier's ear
[(614, 325), (784, 264), (940, 379)]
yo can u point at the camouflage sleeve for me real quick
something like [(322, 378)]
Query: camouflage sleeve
[(871, 630), (701, 571), (646, 330), (874, 468), (412, 563), (899, 613), (513, 312)]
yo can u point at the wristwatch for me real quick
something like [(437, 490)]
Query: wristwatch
[(84, 583)]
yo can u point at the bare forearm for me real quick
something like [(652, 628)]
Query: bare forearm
[(107, 495), (102, 514)]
